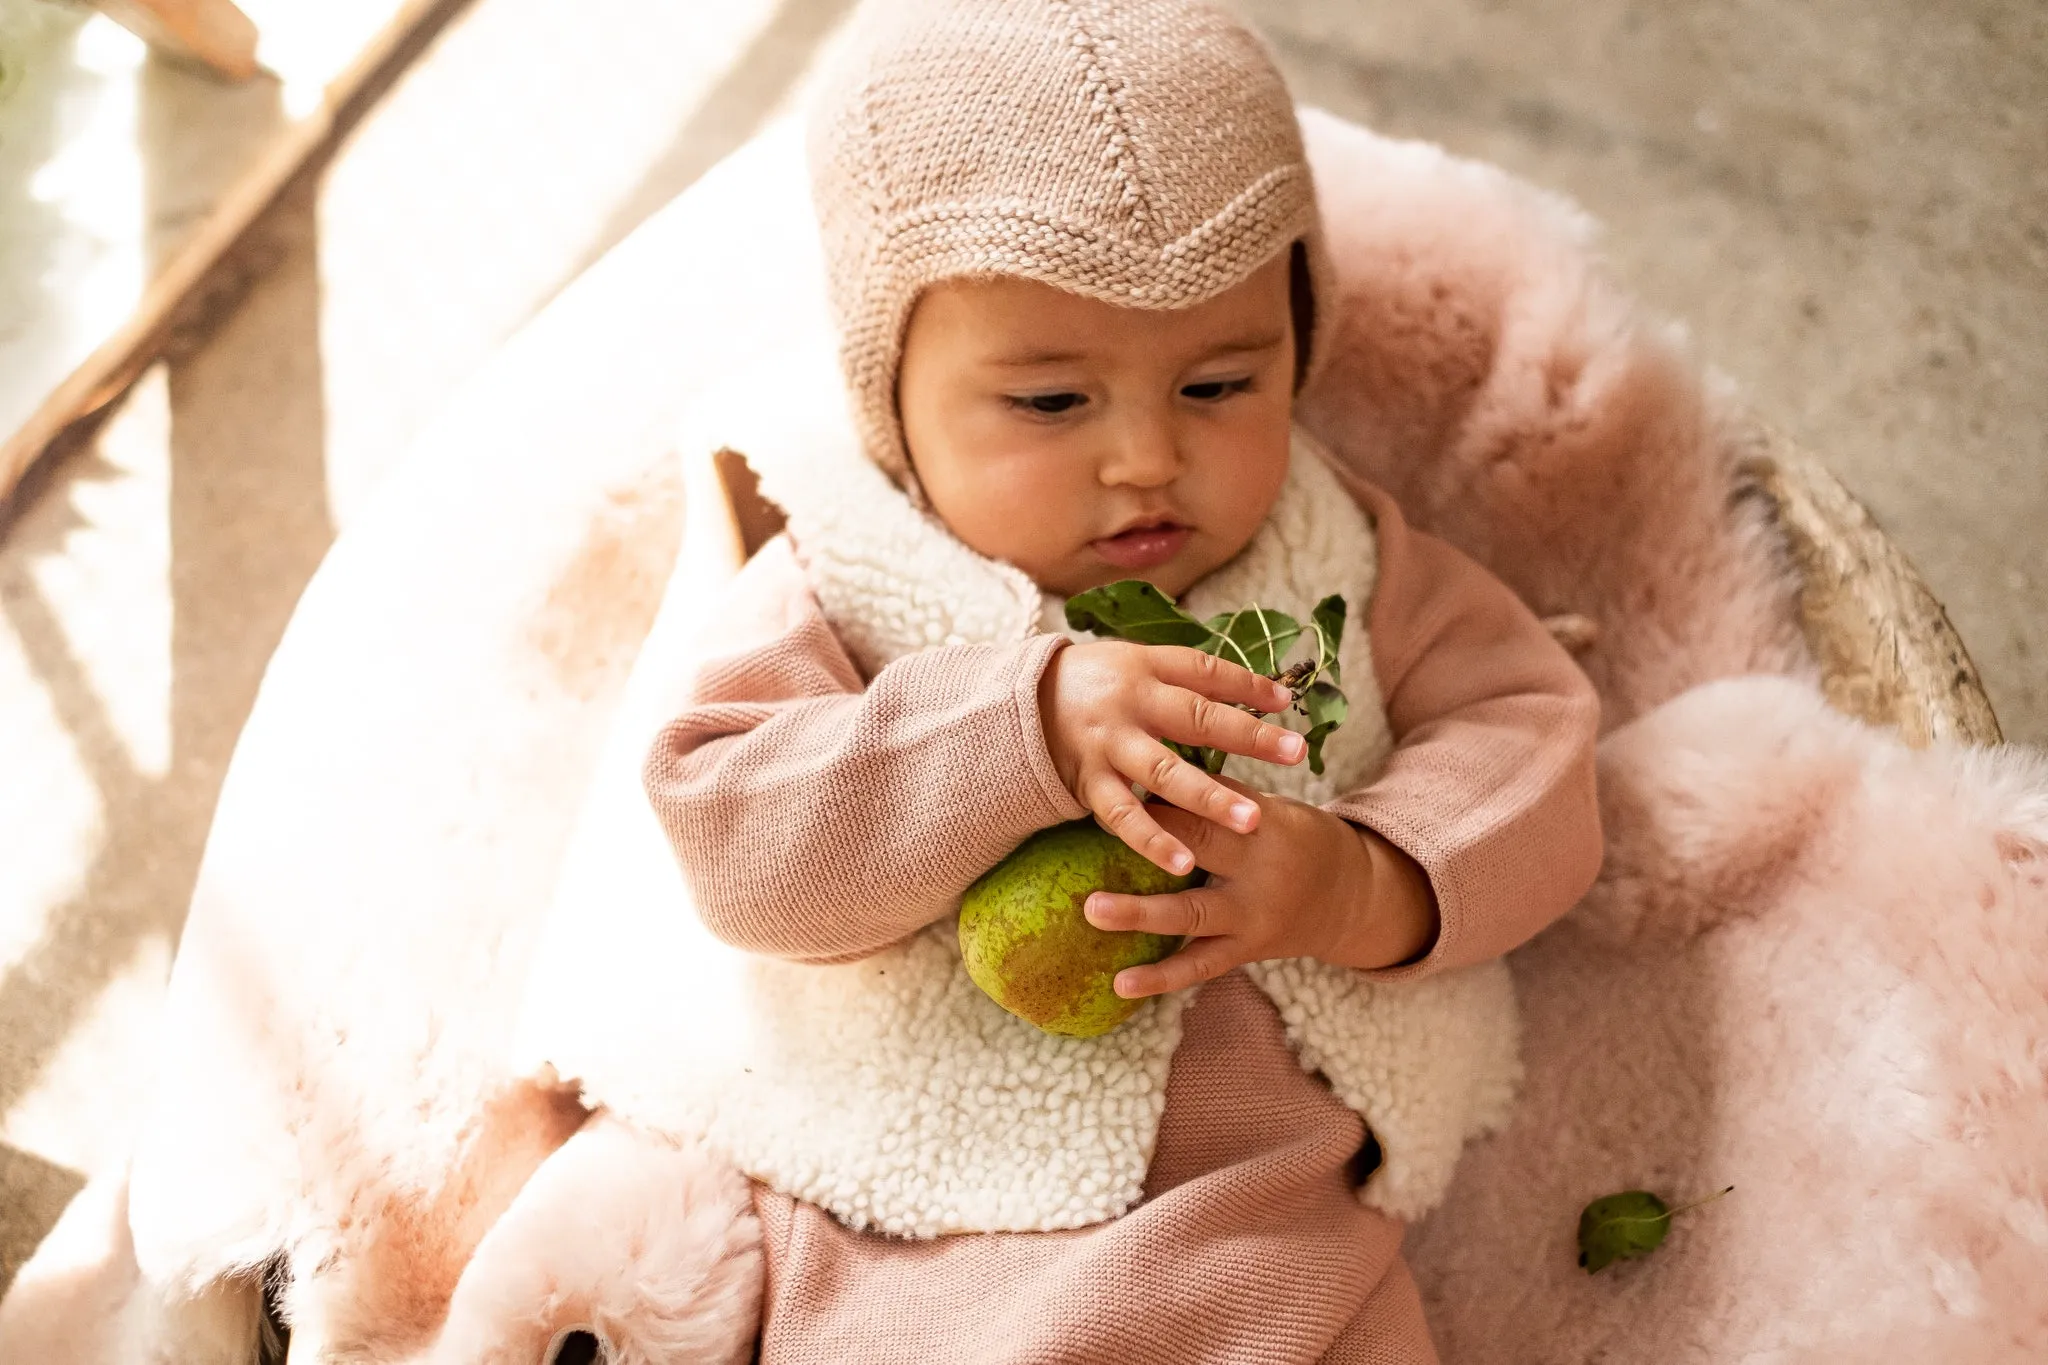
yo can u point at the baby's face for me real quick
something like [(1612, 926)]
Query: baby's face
[(1083, 442)]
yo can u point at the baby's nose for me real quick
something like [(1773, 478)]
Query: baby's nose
[(1144, 455)]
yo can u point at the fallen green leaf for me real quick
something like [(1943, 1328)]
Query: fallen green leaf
[(1621, 1227), (1132, 609)]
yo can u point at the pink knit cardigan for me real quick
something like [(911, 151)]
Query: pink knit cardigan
[(790, 771)]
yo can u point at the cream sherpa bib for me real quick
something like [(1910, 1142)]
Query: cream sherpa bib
[(892, 1092)]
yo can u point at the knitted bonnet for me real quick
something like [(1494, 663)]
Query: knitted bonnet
[(1141, 152)]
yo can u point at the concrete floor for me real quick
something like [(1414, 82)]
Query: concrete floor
[(1844, 199)]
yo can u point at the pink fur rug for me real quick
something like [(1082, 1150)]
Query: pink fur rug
[(1485, 371), (1814, 967)]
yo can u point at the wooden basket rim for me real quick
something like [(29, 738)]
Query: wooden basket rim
[(1886, 650)]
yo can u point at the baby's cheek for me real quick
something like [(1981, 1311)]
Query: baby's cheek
[(1239, 478), (1031, 512)]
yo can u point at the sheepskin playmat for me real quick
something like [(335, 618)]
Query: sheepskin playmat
[(1814, 968)]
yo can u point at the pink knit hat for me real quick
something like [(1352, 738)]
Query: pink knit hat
[(1142, 152)]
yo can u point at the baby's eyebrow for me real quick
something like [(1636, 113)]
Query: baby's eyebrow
[(1265, 341), (1025, 358)]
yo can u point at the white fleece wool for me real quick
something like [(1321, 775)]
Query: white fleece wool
[(892, 1092)]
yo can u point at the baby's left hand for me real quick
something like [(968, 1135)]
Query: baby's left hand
[(1303, 883)]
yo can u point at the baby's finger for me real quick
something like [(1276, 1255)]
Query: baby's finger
[(1216, 848), (1124, 815), (1203, 960), (1218, 679), (1168, 776), (1188, 717), (1203, 912)]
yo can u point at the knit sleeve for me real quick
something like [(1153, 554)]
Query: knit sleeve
[(1490, 784), (820, 819)]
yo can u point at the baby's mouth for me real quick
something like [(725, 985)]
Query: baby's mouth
[(1143, 547)]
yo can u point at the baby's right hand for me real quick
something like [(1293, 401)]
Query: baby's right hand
[(1106, 706)]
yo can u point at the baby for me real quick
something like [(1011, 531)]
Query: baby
[(1078, 275)]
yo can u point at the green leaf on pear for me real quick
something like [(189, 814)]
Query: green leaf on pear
[(1208, 760), (1326, 709), (1255, 637), (1132, 609), (1327, 619)]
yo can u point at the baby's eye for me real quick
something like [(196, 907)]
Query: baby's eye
[(1208, 391), (1047, 404)]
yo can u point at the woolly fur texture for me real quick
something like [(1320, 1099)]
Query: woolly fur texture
[(610, 1236), (1813, 969)]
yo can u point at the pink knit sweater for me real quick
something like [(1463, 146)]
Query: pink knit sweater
[(820, 816)]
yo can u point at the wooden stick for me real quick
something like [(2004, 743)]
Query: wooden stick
[(211, 31), (106, 374)]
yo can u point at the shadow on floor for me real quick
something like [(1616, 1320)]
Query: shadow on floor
[(249, 522), (35, 1192), (248, 525)]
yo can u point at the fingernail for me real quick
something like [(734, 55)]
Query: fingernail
[(1094, 908), (1241, 814), (1182, 861), (1121, 985), (1294, 746)]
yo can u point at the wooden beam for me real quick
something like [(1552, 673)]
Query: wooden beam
[(106, 374), (214, 32)]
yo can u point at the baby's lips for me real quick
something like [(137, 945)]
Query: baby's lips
[(1144, 548)]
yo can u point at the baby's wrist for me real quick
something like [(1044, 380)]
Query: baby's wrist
[(1065, 765), (1393, 916)]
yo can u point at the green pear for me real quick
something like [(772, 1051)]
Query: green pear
[(1027, 944)]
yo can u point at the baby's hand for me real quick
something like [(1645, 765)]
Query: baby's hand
[(1107, 705), (1305, 884)]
